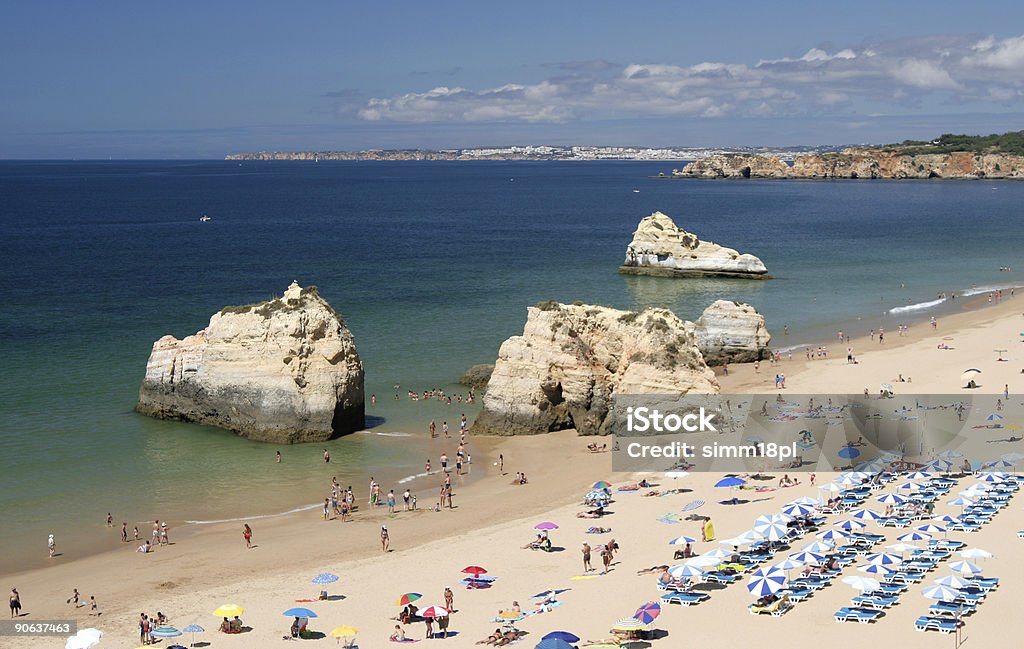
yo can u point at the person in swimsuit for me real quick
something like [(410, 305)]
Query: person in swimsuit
[(15, 603), (247, 535), (385, 540)]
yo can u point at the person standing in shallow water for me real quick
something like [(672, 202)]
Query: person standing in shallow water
[(327, 456)]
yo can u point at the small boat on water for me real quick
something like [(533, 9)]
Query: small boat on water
[(204, 218), (636, 191)]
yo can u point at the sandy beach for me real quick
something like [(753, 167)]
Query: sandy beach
[(493, 518)]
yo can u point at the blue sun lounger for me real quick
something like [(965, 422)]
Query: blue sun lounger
[(892, 589), (862, 615), (684, 599), (911, 577), (796, 594), (946, 608), (940, 624), (720, 577), (876, 602), (984, 583)]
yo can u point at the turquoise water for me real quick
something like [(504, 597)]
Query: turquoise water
[(433, 266)]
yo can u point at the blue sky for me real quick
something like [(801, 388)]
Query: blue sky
[(154, 80)]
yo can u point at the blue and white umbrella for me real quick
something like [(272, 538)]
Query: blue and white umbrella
[(773, 531), (730, 482), (769, 519), (993, 477), (884, 558), (975, 553), (705, 561), (994, 417), (931, 528), (787, 565), (939, 465), (193, 629), (848, 480), (717, 553), (964, 567), (851, 524), (325, 578), (866, 514), (817, 546), (891, 499), (901, 547), (685, 571), (953, 581), (914, 536), (919, 475), (944, 593), (910, 486), (766, 582), (805, 500), (830, 535), (961, 502), (876, 569), (797, 509), (693, 505), (945, 518), (849, 453), (682, 540), (807, 557), (864, 584)]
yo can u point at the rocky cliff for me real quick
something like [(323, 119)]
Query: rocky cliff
[(572, 359), (283, 371), (731, 332), (860, 163), (660, 247)]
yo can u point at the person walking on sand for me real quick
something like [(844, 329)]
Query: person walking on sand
[(247, 535), (15, 603), (51, 545), (327, 508), (124, 532), (110, 520), (74, 597), (606, 559), (501, 464), (163, 534), (449, 599), (586, 557), (433, 428), (385, 539)]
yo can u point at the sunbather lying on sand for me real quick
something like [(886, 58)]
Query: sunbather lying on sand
[(652, 570), (598, 530), (592, 513)]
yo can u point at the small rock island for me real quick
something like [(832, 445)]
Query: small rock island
[(284, 371), (661, 248)]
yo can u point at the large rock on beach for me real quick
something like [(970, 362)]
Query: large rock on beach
[(285, 371), (476, 377), (572, 359), (731, 332), (661, 248)]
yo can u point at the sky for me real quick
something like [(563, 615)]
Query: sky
[(146, 79)]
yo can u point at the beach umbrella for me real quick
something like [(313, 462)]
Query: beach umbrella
[(165, 632), (553, 643), (944, 593), (685, 571), (769, 519), (629, 624), (831, 487), (648, 613), (964, 567), (717, 553), (849, 453), (546, 525), (797, 509), (805, 500), (994, 417), (773, 531), (891, 499), (787, 565), (931, 528), (730, 482), (851, 524), (601, 484), (408, 598), (818, 546), (848, 480), (675, 475), (940, 465), (228, 610), (950, 453), (736, 542), (863, 584), (693, 505), (961, 502), (299, 611), (876, 569), (682, 540), (440, 611), (476, 571), (884, 558), (919, 475), (705, 561), (833, 534), (84, 639), (807, 557), (945, 518), (910, 486), (562, 635), (766, 582), (994, 477), (914, 536), (344, 631), (901, 547), (975, 553), (193, 629), (866, 514), (968, 375), (953, 581), (325, 578)]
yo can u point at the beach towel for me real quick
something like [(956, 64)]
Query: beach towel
[(538, 611), (583, 577), (669, 518), (693, 505)]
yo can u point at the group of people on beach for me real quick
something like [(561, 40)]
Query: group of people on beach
[(436, 394)]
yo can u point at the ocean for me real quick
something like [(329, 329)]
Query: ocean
[(432, 265)]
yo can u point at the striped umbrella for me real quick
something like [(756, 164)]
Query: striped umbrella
[(953, 581), (964, 567), (408, 598), (891, 499), (914, 536), (807, 557), (705, 561), (717, 553), (961, 502), (931, 528), (910, 486), (629, 624), (994, 477), (787, 564), (797, 509), (773, 531), (325, 578), (807, 500), (901, 547), (876, 569), (682, 540), (770, 519), (830, 535), (165, 632), (648, 613), (943, 593), (692, 505), (919, 475), (766, 582), (751, 536), (864, 584), (601, 484), (686, 570), (193, 629), (884, 558), (945, 518), (975, 553), (439, 611), (866, 514), (851, 524), (818, 546)]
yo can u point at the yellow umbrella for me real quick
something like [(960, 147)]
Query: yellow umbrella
[(229, 610), (344, 631)]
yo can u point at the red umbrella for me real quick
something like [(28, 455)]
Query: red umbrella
[(476, 571), (435, 611), (648, 612)]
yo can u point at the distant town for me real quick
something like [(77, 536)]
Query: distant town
[(538, 152)]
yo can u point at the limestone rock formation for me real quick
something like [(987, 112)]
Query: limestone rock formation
[(730, 165), (659, 247), (283, 371), (572, 359), (730, 332), (476, 377)]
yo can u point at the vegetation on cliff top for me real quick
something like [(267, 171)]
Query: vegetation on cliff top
[(1009, 143)]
